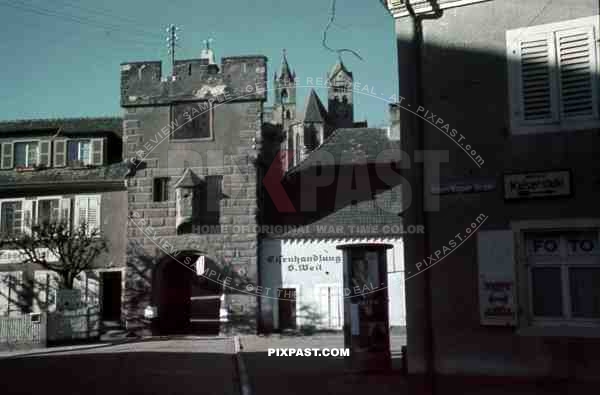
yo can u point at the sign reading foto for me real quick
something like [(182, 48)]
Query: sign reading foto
[(535, 185)]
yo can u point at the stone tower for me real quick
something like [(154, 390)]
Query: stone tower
[(340, 100), (284, 83), (192, 139)]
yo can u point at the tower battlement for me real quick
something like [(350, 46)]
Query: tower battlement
[(238, 78)]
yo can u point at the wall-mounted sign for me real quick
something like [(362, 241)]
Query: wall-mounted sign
[(535, 185), (495, 255), (446, 187)]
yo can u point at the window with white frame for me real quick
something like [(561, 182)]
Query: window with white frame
[(78, 152), (17, 215), (564, 276), (11, 217), (48, 210), (553, 76), (26, 154)]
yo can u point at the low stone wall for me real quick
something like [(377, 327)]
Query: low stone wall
[(68, 325)]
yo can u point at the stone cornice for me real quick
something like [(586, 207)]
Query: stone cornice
[(398, 7)]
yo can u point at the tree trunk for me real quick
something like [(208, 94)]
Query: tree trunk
[(68, 279)]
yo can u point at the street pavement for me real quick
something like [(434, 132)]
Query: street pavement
[(177, 366), (314, 375)]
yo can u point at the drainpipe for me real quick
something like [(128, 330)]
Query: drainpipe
[(413, 134)]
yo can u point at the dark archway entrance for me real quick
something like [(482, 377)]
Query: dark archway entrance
[(187, 303)]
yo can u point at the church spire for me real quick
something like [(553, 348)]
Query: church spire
[(285, 72)]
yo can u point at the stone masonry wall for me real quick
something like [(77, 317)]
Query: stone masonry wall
[(152, 224)]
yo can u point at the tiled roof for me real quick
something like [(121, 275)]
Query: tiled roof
[(315, 111), (12, 179), (71, 125), (352, 146), (366, 218)]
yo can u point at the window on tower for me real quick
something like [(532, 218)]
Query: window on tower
[(284, 96), (192, 121)]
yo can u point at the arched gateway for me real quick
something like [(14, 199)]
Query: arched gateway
[(186, 302)]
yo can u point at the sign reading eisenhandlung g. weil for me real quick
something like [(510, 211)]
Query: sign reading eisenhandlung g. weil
[(537, 184)]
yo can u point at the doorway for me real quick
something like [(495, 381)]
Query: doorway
[(111, 296), (287, 308), (187, 302), (174, 298)]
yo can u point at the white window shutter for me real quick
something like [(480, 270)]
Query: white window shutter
[(60, 153), (93, 215), (81, 209), (65, 210), (497, 285), (92, 289), (87, 209), (577, 59), (44, 154), (27, 208), (7, 155), (97, 152), (537, 82)]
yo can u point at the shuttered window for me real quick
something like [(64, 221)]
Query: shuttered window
[(60, 153), (553, 76), (44, 154), (577, 67), (7, 155), (87, 210), (97, 152)]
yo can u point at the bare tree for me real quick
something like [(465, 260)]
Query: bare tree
[(58, 247)]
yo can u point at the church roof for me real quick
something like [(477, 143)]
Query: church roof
[(339, 66), (315, 111)]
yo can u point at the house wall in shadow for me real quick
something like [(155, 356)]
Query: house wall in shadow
[(464, 72)]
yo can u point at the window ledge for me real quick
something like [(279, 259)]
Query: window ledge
[(191, 139), (561, 331), (556, 128)]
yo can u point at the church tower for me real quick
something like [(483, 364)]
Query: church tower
[(340, 101), (284, 108)]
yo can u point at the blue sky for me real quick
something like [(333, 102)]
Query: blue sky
[(56, 67)]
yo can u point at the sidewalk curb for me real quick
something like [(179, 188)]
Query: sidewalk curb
[(245, 388), (61, 349)]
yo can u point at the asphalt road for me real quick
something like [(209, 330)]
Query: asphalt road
[(199, 366)]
